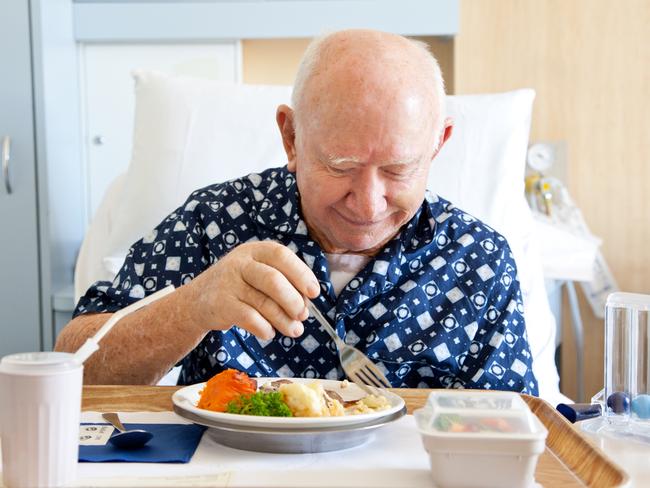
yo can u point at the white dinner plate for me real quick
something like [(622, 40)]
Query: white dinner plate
[(187, 398)]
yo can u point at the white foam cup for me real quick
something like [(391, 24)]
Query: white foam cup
[(40, 404)]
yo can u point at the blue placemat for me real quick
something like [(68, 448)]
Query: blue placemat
[(171, 443)]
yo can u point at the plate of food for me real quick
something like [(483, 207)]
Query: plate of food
[(231, 398)]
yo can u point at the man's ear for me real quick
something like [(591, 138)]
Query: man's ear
[(447, 129), (284, 116)]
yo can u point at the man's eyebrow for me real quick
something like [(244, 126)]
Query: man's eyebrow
[(336, 160), (403, 162)]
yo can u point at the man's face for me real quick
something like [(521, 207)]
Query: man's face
[(362, 172)]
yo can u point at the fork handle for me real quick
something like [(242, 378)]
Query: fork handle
[(324, 322), (114, 420)]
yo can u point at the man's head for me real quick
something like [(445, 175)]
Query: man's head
[(368, 119)]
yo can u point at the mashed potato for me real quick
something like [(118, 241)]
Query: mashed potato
[(310, 400), (368, 404)]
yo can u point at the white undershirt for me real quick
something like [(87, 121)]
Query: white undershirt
[(344, 267)]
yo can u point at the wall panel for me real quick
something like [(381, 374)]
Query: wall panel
[(275, 61), (589, 61)]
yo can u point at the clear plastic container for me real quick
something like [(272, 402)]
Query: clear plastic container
[(627, 358), (480, 439)]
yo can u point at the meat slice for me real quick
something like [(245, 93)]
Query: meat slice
[(274, 385), (345, 403)]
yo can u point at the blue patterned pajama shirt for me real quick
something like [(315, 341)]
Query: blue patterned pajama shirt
[(438, 306)]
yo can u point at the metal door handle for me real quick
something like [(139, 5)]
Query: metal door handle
[(6, 156)]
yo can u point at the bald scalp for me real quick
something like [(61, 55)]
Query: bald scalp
[(366, 68)]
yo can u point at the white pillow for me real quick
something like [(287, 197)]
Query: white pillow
[(481, 167), (190, 133)]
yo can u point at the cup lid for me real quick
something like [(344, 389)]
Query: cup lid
[(634, 301), (38, 362)]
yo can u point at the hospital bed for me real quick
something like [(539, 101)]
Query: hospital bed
[(189, 133)]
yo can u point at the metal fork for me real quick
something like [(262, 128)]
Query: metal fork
[(357, 366)]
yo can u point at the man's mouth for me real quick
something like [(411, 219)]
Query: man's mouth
[(358, 222)]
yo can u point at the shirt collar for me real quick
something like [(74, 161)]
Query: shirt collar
[(278, 210)]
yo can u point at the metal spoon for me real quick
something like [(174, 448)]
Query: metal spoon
[(126, 439)]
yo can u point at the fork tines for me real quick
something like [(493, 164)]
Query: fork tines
[(369, 377), (358, 380), (370, 390)]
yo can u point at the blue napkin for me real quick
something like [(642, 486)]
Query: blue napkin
[(171, 443)]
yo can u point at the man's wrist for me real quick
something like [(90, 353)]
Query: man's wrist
[(190, 302)]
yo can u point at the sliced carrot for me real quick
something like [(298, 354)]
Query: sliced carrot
[(225, 387)]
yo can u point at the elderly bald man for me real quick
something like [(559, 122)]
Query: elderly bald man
[(424, 289)]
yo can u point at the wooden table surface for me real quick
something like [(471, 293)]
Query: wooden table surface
[(569, 460)]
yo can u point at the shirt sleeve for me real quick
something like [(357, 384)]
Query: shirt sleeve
[(499, 356), (171, 254)]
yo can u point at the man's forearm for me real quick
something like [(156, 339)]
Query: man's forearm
[(141, 347)]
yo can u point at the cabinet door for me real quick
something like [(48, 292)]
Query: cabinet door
[(20, 323), (108, 100)]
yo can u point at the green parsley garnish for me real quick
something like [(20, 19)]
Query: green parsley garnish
[(444, 422), (266, 404)]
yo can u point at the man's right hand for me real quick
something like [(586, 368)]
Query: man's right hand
[(258, 286)]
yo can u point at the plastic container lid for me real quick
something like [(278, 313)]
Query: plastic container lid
[(38, 363), (477, 414), (634, 301), (476, 401)]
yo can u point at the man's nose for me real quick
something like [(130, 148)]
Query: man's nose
[(367, 197)]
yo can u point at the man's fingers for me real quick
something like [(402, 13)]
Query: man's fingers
[(273, 313), (261, 287), (273, 284), (290, 265), (251, 320)]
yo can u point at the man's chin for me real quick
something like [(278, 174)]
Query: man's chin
[(362, 245)]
